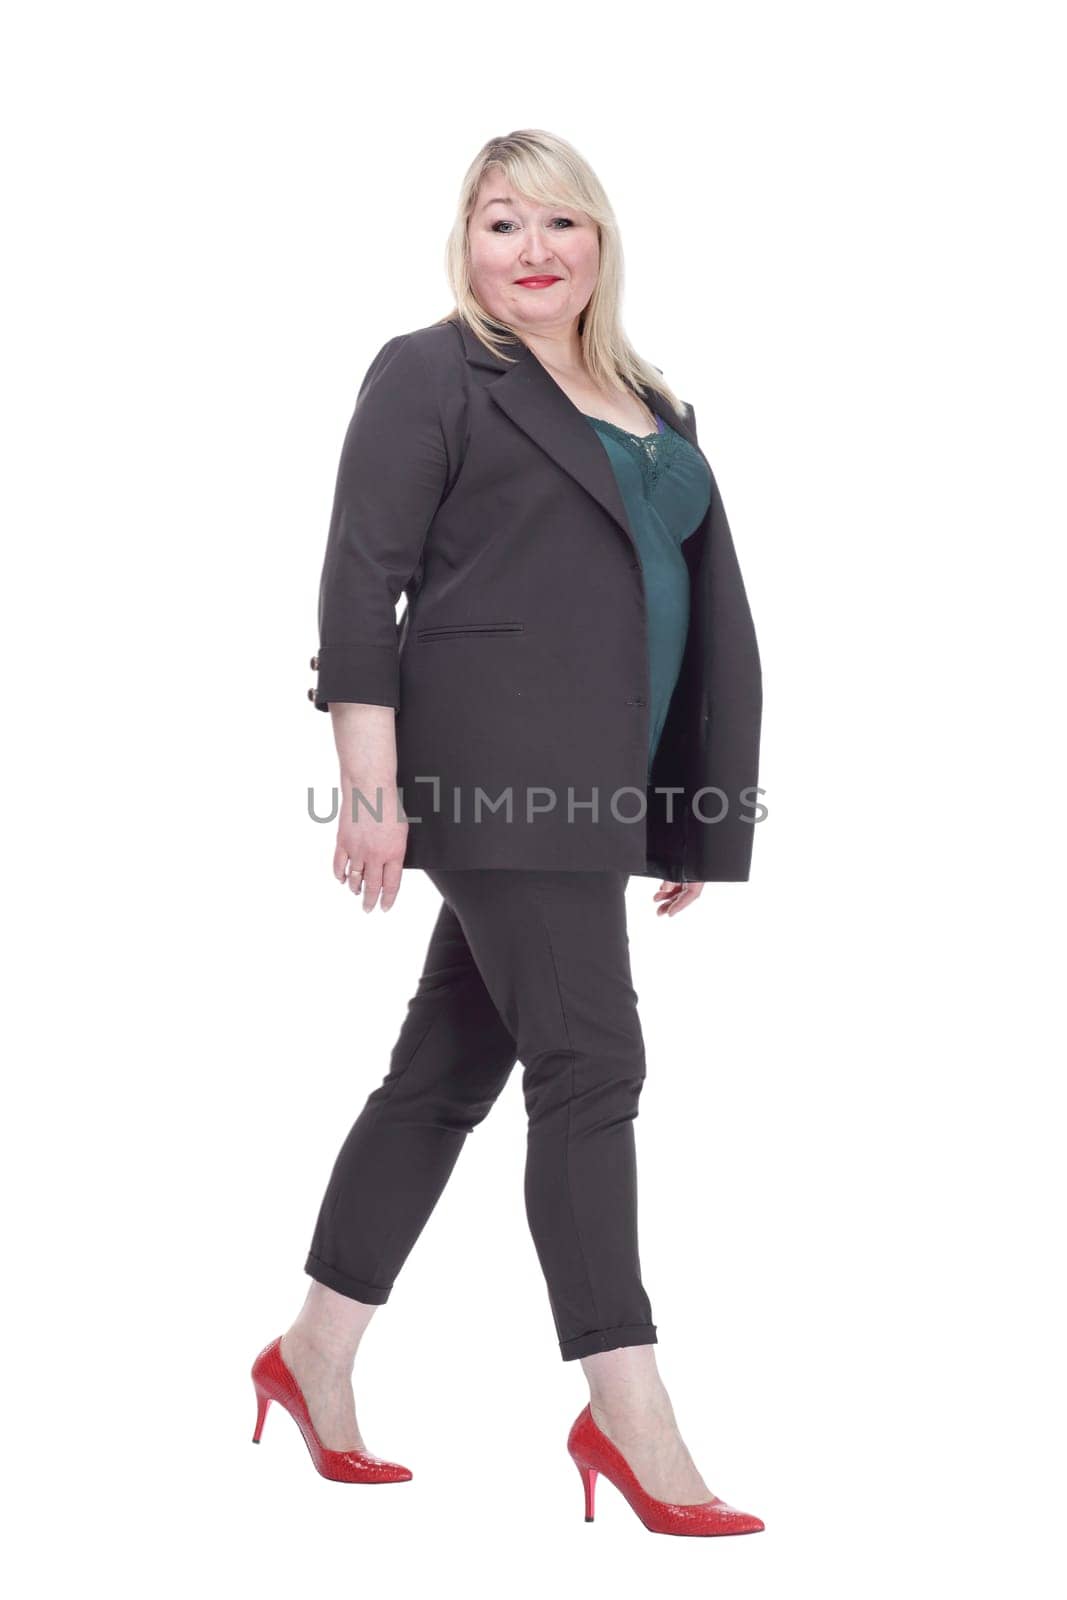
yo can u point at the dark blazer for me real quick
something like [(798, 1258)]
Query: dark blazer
[(519, 666)]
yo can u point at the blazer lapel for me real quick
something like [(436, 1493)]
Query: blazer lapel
[(534, 401)]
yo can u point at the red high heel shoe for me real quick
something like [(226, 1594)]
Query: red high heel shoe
[(592, 1452), (274, 1381)]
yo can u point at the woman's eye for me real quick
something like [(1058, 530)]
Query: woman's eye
[(509, 225)]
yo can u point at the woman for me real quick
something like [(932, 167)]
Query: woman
[(574, 674)]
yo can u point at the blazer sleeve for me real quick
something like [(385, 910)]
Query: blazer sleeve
[(391, 479)]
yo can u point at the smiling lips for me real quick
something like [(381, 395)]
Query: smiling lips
[(536, 283)]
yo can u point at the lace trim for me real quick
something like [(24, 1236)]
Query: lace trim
[(653, 451)]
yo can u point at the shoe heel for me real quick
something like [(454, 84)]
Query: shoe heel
[(588, 1476), (263, 1400)]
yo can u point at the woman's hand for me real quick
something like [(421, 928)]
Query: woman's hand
[(372, 834), (676, 896), (370, 855)]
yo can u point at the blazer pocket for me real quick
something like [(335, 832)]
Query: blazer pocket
[(453, 630)]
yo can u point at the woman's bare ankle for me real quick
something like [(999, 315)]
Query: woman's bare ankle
[(329, 1327), (626, 1389)]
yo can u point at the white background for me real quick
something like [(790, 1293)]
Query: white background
[(842, 227)]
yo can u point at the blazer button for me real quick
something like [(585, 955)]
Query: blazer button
[(314, 663), (311, 694)]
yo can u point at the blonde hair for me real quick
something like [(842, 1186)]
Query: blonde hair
[(547, 169)]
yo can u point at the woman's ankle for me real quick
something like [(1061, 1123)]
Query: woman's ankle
[(309, 1345), (625, 1386), (329, 1327), (634, 1414)]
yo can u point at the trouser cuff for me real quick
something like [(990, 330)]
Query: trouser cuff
[(372, 1294), (588, 1344)]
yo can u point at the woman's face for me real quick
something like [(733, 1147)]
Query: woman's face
[(512, 239)]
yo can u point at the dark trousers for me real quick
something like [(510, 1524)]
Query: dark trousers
[(522, 965)]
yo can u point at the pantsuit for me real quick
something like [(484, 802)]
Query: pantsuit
[(542, 760), (523, 965)]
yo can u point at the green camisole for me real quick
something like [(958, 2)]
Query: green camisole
[(666, 488)]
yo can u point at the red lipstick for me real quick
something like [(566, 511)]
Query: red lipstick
[(539, 282)]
